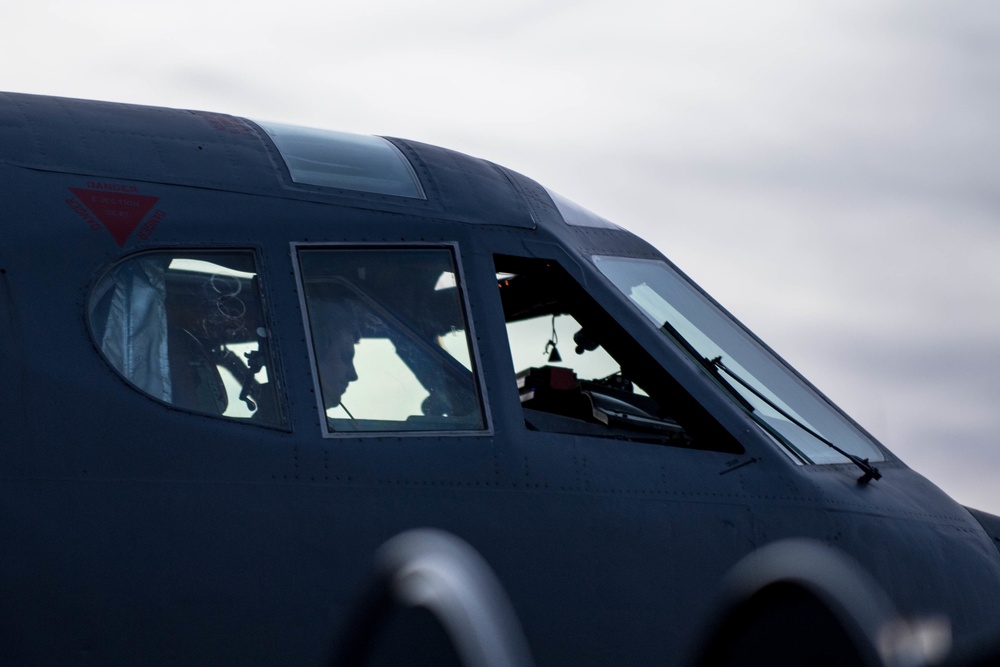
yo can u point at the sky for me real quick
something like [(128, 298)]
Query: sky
[(826, 170)]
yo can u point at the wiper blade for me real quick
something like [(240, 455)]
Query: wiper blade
[(715, 365), (870, 471)]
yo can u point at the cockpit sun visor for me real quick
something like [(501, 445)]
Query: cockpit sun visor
[(346, 161)]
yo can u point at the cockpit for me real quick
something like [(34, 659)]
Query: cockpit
[(393, 347), (392, 351)]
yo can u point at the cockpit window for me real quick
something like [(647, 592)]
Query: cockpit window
[(777, 398), (389, 340), (188, 329), (576, 215), (579, 372), (344, 161)]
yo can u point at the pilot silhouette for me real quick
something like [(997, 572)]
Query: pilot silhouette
[(336, 331)]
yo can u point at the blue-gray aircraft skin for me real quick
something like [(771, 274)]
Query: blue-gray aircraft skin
[(182, 485)]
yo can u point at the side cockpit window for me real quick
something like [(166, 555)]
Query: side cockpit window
[(188, 329), (390, 342), (579, 371)]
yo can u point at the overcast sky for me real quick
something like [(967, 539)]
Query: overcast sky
[(827, 170)]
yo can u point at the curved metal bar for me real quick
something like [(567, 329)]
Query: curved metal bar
[(439, 572), (880, 635)]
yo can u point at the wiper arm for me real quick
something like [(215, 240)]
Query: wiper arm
[(704, 361), (870, 471)]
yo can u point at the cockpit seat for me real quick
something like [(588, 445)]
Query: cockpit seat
[(195, 379)]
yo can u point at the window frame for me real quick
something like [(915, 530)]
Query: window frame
[(275, 376), (453, 247)]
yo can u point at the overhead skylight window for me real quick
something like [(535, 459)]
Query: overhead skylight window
[(578, 216), (346, 161)]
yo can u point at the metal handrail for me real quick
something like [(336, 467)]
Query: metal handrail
[(443, 574)]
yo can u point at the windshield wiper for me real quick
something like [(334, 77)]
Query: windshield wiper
[(715, 365), (870, 471), (704, 361)]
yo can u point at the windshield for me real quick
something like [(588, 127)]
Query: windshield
[(776, 397)]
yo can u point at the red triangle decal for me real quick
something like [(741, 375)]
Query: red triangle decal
[(119, 212)]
